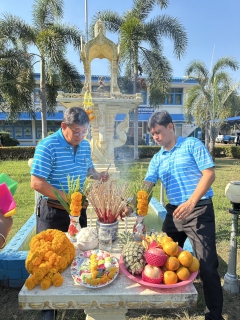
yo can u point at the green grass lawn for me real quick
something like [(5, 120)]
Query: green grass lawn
[(226, 170)]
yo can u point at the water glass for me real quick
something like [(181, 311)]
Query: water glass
[(105, 240)]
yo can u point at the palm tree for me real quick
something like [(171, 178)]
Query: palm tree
[(142, 49), (208, 102), (16, 79), (51, 38)]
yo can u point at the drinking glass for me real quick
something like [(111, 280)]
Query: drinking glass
[(105, 240)]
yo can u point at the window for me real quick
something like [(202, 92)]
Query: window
[(27, 132), (18, 132), (174, 97)]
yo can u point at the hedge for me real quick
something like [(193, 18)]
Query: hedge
[(124, 152)]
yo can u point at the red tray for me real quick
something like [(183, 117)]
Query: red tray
[(138, 278)]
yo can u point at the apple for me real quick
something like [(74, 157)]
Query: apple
[(152, 272), (157, 251), (156, 256)]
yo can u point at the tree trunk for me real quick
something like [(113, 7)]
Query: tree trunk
[(136, 156), (207, 135), (43, 102), (213, 135)]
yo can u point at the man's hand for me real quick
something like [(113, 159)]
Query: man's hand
[(103, 176), (184, 210)]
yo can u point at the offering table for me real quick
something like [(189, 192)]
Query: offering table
[(109, 302)]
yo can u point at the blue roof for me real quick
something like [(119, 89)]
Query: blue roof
[(233, 119), (146, 116), (58, 116)]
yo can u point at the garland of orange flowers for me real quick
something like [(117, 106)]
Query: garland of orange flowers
[(87, 104), (51, 252), (76, 204), (142, 203)]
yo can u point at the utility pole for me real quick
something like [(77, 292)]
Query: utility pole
[(86, 20)]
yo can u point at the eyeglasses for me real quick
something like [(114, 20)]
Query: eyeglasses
[(81, 134)]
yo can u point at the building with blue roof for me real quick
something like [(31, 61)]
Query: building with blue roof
[(28, 131)]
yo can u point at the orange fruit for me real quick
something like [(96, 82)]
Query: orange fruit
[(164, 269), (186, 258), (171, 248), (172, 263), (170, 277), (183, 273), (165, 239), (195, 265)]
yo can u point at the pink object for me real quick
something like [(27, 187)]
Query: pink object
[(155, 260), (7, 202), (152, 280), (138, 279)]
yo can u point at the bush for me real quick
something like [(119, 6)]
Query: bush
[(17, 153), (130, 142), (8, 141)]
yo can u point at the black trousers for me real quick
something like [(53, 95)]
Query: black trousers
[(199, 227), (53, 218)]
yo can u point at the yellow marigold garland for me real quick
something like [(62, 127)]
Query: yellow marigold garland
[(87, 104), (142, 203), (51, 252), (76, 204)]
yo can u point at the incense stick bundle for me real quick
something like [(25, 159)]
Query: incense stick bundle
[(108, 199)]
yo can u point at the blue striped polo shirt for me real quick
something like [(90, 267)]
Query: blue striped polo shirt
[(179, 169), (54, 160)]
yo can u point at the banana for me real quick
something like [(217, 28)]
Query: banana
[(145, 244)]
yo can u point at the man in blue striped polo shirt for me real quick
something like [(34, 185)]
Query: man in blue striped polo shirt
[(186, 170), (63, 153)]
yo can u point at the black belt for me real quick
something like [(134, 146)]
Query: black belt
[(203, 202), (200, 203), (54, 204)]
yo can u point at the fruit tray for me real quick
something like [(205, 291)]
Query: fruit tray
[(138, 278)]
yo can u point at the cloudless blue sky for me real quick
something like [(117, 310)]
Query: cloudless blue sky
[(213, 28)]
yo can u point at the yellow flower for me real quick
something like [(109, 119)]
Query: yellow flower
[(57, 280), (142, 202), (76, 204), (50, 253)]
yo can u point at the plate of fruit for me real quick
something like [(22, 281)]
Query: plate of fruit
[(94, 268), (159, 262)]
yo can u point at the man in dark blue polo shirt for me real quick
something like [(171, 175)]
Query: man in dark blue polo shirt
[(186, 170)]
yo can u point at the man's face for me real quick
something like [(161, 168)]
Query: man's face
[(163, 135), (74, 134)]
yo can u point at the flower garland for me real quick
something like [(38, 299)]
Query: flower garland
[(76, 204), (142, 202), (51, 252), (142, 194), (87, 104), (75, 199)]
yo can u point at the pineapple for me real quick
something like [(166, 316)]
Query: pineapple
[(132, 253)]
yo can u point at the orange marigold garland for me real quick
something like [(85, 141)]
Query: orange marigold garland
[(51, 252), (75, 199), (142, 194), (87, 104), (76, 204), (142, 202)]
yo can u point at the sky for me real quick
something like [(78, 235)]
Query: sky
[(212, 26)]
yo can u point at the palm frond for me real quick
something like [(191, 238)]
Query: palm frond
[(47, 12)]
